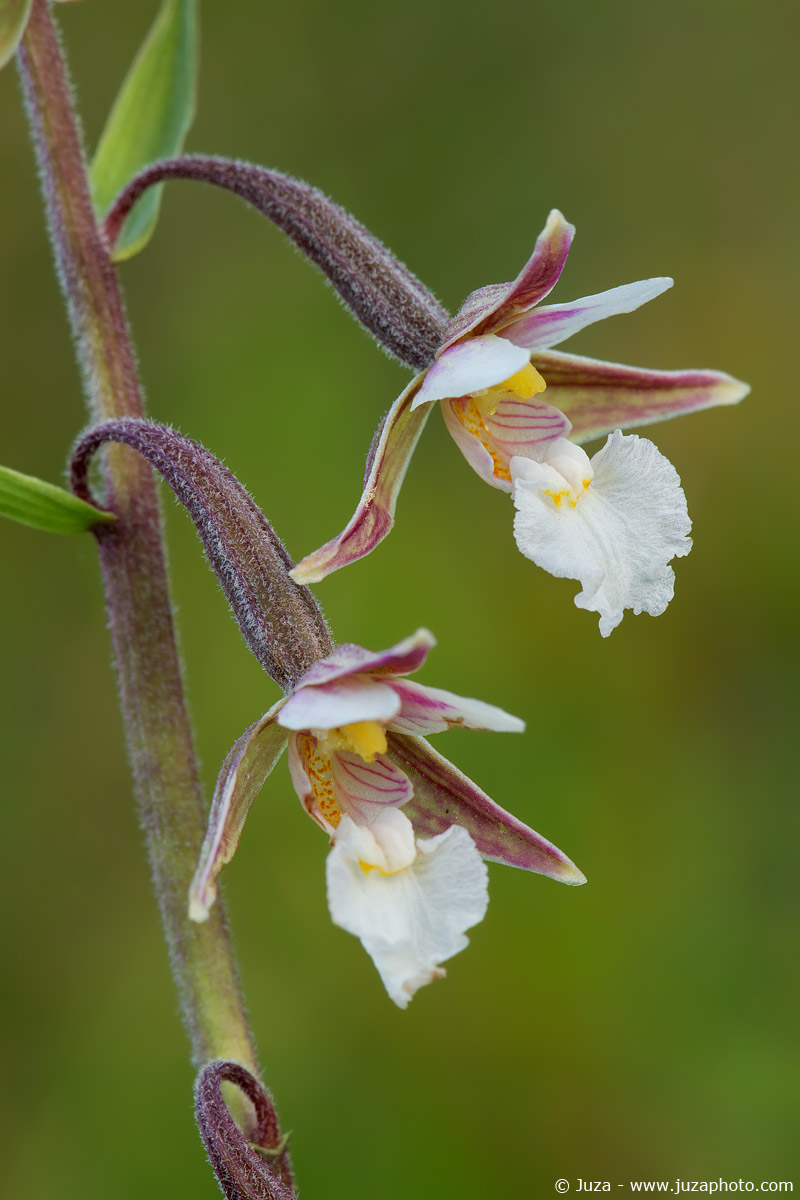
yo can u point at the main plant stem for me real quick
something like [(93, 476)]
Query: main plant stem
[(157, 726)]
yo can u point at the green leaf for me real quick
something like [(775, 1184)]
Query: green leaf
[(33, 502), (149, 120), (13, 19)]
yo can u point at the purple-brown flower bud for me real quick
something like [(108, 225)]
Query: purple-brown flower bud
[(281, 622), (382, 294), (254, 1169)]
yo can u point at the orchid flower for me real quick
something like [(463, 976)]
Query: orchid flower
[(613, 521), (408, 831)]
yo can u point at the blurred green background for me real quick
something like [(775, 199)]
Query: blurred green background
[(644, 1026)]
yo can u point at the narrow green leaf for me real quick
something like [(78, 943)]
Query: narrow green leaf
[(149, 120), (33, 502), (13, 19)]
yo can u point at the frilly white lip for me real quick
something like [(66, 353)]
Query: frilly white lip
[(612, 522), (412, 919)]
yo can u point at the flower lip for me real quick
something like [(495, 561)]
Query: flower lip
[(516, 427), (617, 535), (411, 919)]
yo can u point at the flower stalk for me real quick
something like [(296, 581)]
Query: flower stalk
[(151, 689)]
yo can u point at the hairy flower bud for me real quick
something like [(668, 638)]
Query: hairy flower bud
[(255, 1169), (382, 294), (281, 622)]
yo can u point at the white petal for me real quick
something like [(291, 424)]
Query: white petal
[(414, 919), (341, 702), (481, 362), (554, 323), (430, 710), (618, 537)]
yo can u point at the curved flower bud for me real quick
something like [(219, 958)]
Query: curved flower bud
[(281, 623), (408, 830), (254, 1169), (507, 398), (382, 294)]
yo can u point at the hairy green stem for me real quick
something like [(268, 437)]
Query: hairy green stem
[(158, 732)]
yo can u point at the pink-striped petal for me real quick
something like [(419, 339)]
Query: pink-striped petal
[(363, 789), (374, 516), (517, 428), (490, 308), (243, 774), (554, 323), (430, 710), (341, 702), (348, 659), (471, 367), (599, 397), (444, 797), (473, 449)]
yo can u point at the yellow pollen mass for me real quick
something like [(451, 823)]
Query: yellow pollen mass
[(367, 739), (526, 384)]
